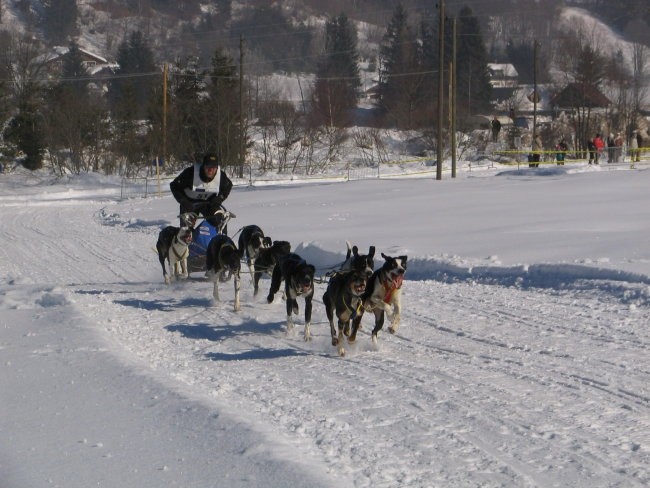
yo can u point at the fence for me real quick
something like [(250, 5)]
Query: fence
[(411, 168)]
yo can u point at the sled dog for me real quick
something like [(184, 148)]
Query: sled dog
[(222, 262), (356, 261), (343, 298), (382, 296), (267, 259), (298, 279), (172, 246), (251, 241)]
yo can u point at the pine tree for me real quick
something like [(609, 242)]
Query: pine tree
[(473, 87), (223, 120), (400, 77), (337, 80), (136, 77)]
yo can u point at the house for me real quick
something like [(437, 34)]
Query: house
[(503, 75), (53, 60), (579, 95)]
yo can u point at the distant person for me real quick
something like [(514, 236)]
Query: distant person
[(562, 149), (611, 148), (635, 153), (591, 147), (202, 187), (618, 142), (599, 145), (496, 128)]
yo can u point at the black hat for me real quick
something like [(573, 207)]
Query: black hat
[(210, 160)]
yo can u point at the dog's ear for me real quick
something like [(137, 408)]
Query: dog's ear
[(371, 251), (385, 257), (355, 251)]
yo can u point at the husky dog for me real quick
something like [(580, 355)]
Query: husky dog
[(222, 262), (298, 279), (343, 297), (383, 296), (172, 246), (251, 241), (356, 261), (267, 259)]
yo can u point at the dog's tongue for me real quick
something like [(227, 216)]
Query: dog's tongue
[(397, 282)]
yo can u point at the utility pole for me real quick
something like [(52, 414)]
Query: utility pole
[(164, 127), (441, 89), (535, 98), (452, 96), (241, 106)]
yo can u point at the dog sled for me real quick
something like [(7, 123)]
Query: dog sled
[(202, 234)]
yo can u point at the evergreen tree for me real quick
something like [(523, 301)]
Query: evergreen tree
[(185, 117), (337, 81), (590, 67), (473, 86), (136, 77), (60, 20), (223, 117), (400, 77)]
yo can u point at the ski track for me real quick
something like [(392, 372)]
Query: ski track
[(490, 377)]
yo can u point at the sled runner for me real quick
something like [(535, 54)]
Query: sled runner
[(202, 234)]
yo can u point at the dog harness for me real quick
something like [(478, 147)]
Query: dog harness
[(185, 252), (202, 190), (391, 286)]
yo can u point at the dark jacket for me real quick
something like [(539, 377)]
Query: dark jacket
[(185, 181)]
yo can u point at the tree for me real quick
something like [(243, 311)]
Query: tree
[(136, 77), (73, 118), (222, 122), (25, 130), (400, 77), (473, 86), (337, 79)]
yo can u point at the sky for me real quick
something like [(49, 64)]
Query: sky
[(522, 359)]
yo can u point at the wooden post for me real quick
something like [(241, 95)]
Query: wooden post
[(452, 76), (241, 106), (441, 90), (164, 127)]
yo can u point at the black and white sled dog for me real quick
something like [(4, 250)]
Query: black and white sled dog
[(382, 296), (298, 278), (222, 262), (344, 298), (172, 246), (356, 261), (251, 241), (266, 260)]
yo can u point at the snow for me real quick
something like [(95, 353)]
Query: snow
[(522, 359)]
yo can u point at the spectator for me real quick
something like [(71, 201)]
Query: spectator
[(496, 128), (635, 154), (599, 144), (611, 148), (562, 148), (618, 142)]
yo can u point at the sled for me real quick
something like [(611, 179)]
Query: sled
[(202, 234)]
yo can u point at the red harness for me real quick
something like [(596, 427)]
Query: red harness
[(391, 286)]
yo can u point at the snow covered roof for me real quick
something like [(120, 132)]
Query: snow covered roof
[(503, 69)]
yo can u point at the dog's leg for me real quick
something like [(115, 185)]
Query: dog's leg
[(215, 290), (256, 282), (340, 349), (308, 306), (184, 273), (237, 286), (276, 279), (379, 323), (356, 325), (330, 317), (251, 270), (166, 277), (396, 316)]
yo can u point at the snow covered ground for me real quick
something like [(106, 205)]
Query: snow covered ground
[(522, 360)]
